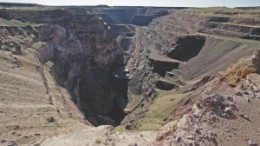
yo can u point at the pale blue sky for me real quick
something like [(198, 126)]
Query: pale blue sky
[(169, 3)]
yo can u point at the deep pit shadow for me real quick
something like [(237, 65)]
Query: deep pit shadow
[(106, 99), (100, 94), (186, 47)]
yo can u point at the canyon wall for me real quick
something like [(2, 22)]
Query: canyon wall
[(88, 62), (115, 60)]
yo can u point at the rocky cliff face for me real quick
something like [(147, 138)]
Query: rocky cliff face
[(117, 62), (88, 62), (86, 47)]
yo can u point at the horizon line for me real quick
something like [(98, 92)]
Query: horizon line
[(124, 5)]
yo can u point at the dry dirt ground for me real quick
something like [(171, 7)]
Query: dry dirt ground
[(102, 135)]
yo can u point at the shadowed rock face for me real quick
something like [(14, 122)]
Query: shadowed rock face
[(85, 55), (161, 67), (186, 47), (141, 20), (140, 16)]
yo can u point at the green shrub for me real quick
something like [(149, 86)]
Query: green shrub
[(98, 141)]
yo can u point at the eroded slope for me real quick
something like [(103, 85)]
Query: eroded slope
[(32, 105), (219, 111)]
